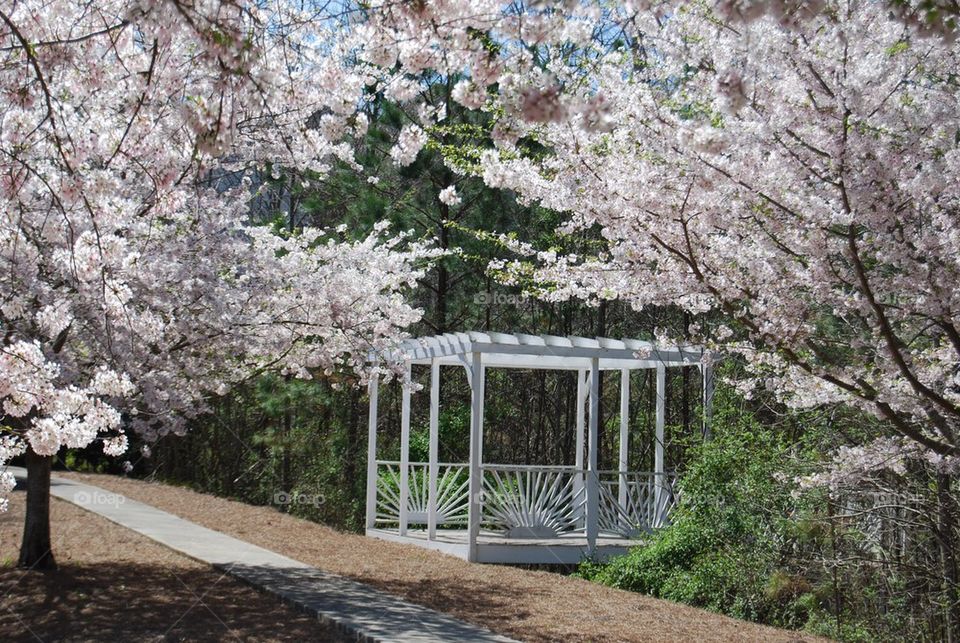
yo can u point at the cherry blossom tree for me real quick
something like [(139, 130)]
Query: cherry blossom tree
[(799, 176), (133, 281), (790, 164)]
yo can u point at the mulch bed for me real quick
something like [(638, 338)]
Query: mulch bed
[(115, 585), (528, 605)]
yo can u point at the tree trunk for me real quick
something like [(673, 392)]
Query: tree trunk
[(35, 551), (685, 372)]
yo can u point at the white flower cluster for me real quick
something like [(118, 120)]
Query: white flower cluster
[(449, 196), (10, 447), (411, 140), (68, 416)]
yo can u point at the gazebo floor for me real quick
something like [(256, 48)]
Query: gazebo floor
[(565, 549)]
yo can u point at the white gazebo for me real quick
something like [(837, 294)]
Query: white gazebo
[(497, 513)]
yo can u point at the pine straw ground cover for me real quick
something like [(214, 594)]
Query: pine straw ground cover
[(524, 604), (116, 585)]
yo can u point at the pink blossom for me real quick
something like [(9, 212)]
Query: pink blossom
[(449, 196), (409, 143)]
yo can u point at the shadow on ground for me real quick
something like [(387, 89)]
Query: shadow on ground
[(143, 602), (450, 594)]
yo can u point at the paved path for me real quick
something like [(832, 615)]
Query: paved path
[(355, 608)]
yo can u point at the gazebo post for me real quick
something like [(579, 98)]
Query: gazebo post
[(706, 374), (434, 439), (578, 457), (476, 447), (372, 455), (658, 457), (405, 451), (483, 388), (593, 488), (622, 461)]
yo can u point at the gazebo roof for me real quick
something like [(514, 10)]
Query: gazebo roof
[(516, 350)]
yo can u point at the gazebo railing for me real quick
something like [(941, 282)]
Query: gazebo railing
[(453, 483), (634, 502), (528, 501), (532, 501)]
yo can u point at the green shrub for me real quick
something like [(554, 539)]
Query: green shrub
[(729, 532), (743, 542)]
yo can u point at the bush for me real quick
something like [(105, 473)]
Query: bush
[(730, 532), (745, 543)]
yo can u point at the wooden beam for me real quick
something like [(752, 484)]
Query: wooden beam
[(550, 362), (476, 455), (405, 451), (434, 445), (658, 459), (622, 460), (593, 483), (580, 422), (372, 455)]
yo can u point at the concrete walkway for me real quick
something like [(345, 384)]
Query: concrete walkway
[(354, 608)]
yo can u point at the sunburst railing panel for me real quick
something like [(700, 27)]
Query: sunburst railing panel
[(452, 493), (644, 504), (532, 501)]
